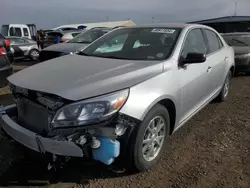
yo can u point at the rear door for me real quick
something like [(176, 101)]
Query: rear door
[(217, 60)]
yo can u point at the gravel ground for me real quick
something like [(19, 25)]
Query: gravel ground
[(211, 150)]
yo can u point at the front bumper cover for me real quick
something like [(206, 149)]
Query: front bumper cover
[(33, 140)]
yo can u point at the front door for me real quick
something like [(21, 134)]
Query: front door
[(193, 77)]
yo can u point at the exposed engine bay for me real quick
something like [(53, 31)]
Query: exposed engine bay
[(103, 141)]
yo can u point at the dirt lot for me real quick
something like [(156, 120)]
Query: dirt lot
[(212, 150)]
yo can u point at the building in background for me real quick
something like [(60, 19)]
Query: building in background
[(228, 24), (98, 24)]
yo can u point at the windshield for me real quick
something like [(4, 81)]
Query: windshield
[(237, 40), (87, 36), (135, 44), (4, 30)]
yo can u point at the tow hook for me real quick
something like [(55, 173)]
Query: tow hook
[(57, 162)]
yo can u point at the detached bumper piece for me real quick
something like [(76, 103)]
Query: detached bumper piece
[(103, 148), (35, 141)]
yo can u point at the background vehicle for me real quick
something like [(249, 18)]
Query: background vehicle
[(241, 44), (5, 64), (5, 43), (73, 45), (24, 48), (55, 37), (122, 102), (19, 30)]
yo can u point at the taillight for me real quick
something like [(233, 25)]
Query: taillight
[(64, 41), (2, 51), (7, 43)]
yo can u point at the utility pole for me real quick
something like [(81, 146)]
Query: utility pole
[(235, 8), (153, 18), (107, 18)]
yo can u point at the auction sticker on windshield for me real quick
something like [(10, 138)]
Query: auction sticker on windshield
[(168, 31)]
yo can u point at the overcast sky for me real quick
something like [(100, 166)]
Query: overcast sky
[(52, 13)]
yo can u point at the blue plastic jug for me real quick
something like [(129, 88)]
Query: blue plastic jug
[(108, 150)]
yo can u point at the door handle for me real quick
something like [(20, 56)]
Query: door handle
[(209, 68), (226, 59)]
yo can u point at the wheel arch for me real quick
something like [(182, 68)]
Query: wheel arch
[(169, 103)]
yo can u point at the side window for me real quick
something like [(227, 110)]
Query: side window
[(19, 41), (214, 43), (25, 32), (12, 31), (115, 45), (194, 43), (18, 32)]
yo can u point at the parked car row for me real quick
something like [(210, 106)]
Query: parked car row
[(74, 45), (122, 95)]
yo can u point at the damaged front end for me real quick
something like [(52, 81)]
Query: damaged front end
[(46, 123)]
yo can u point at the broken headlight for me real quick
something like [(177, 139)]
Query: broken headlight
[(90, 111)]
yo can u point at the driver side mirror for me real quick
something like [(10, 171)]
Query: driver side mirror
[(191, 58)]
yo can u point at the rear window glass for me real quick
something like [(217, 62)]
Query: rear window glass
[(87, 36), (53, 36), (237, 40)]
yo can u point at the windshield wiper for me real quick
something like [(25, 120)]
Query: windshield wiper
[(240, 42), (83, 42), (112, 57)]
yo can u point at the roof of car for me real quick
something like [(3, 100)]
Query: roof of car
[(158, 25), (236, 33), (15, 37), (68, 31)]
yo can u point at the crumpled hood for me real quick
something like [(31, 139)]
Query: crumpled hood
[(76, 77), (240, 50), (66, 47)]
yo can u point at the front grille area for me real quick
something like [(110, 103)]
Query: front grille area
[(47, 55), (32, 116)]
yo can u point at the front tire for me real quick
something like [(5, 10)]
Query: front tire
[(150, 138), (225, 89)]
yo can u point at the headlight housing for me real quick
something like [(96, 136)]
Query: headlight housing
[(90, 111)]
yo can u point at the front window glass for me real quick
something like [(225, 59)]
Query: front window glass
[(194, 43), (135, 44), (87, 36), (237, 40)]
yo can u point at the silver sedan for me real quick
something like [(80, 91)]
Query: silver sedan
[(121, 96), (23, 48)]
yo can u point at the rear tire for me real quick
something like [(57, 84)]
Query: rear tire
[(225, 89), (34, 55), (150, 139)]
